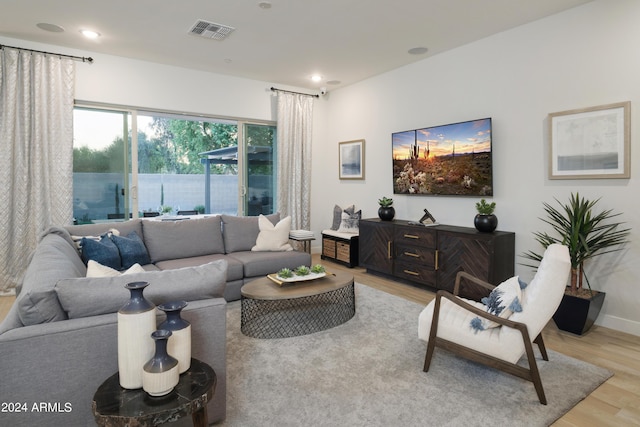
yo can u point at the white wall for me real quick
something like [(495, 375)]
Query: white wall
[(584, 57)]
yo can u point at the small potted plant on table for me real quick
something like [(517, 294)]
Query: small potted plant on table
[(386, 212), (485, 220)]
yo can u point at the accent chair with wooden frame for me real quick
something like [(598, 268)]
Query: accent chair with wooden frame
[(446, 321)]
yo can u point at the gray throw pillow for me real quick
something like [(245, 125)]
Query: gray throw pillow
[(92, 296), (240, 232), (132, 250)]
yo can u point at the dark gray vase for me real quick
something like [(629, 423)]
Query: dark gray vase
[(485, 223), (386, 214)]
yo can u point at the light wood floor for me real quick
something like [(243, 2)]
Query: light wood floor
[(615, 403)]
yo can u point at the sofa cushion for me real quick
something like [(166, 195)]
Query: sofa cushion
[(132, 250), (84, 297), (263, 263), (102, 251), (54, 258), (241, 232), (273, 237), (235, 270), (182, 239)]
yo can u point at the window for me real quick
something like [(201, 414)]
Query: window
[(183, 165)]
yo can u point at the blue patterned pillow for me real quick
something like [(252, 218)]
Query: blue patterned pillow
[(503, 301), (103, 252), (132, 250)]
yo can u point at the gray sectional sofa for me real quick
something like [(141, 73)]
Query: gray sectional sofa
[(59, 340)]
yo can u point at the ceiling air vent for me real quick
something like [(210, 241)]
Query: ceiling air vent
[(210, 30)]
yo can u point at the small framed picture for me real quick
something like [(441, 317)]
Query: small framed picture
[(590, 143), (351, 158)]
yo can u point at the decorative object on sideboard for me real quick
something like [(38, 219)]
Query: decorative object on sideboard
[(386, 212), (485, 221), (136, 322), (587, 234), (179, 345), (161, 372)]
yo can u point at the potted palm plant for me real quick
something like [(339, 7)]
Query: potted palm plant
[(587, 234)]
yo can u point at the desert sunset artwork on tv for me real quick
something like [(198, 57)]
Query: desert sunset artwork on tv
[(453, 159)]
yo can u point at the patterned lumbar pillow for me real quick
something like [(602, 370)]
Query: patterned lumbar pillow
[(503, 301)]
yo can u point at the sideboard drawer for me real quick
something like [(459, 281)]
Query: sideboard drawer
[(415, 235), (415, 254), (416, 273)]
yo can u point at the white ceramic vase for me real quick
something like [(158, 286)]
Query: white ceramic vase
[(160, 374), (136, 322), (179, 345)]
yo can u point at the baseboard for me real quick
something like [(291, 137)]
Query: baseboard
[(619, 324), (8, 293)]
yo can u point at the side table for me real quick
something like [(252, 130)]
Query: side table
[(114, 406)]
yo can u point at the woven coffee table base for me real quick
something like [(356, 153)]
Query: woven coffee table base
[(297, 316)]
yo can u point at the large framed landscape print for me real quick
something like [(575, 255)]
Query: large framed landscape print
[(447, 160), (590, 143)]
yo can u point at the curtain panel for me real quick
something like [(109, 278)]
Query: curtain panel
[(36, 165), (295, 118)]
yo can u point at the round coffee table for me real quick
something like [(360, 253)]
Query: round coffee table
[(269, 310)]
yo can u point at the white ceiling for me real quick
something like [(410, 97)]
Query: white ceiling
[(345, 41)]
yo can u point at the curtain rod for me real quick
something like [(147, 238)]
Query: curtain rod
[(298, 93), (77, 58)]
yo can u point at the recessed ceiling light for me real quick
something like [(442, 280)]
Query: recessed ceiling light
[(90, 34), (53, 28), (264, 5), (418, 50), (316, 78)]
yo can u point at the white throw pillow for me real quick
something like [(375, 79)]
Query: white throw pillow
[(350, 223), (273, 237), (95, 269), (503, 301)]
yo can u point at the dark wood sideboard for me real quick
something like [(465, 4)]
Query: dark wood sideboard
[(431, 257)]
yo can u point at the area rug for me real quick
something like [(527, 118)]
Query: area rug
[(368, 372)]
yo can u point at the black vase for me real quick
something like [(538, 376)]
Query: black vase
[(386, 213), (485, 223)]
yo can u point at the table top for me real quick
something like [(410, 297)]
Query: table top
[(265, 289), (114, 406)]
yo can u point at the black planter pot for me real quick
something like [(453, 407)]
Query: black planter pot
[(386, 214), (486, 223), (577, 315)]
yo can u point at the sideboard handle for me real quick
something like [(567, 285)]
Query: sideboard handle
[(389, 249), (413, 273), (436, 260), (411, 236), (412, 254)]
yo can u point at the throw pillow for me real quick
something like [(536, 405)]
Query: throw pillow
[(337, 215), (132, 250), (503, 301), (273, 237), (98, 270), (240, 232), (104, 252), (350, 223)]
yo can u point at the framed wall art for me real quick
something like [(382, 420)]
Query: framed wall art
[(590, 143), (351, 158)]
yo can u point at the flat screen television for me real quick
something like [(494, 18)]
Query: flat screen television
[(448, 160)]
